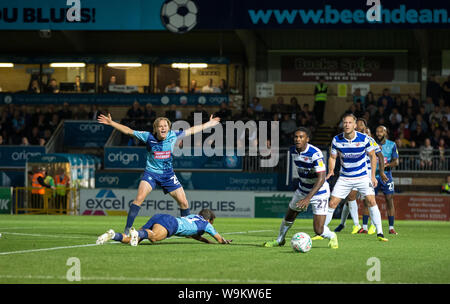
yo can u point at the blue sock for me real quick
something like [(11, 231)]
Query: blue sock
[(391, 221), (365, 219), (185, 212), (134, 210), (118, 237), (143, 234)]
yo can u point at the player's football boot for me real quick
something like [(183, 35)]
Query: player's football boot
[(134, 237), (381, 238), (105, 237), (274, 243), (356, 229), (372, 229), (333, 243), (392, 231), (339, 228), (317, 238), (362, 231)]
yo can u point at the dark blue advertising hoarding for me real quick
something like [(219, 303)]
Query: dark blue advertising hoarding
[(180, 16)]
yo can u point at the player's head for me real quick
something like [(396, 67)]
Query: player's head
[(161, 127), (301, 137), (208, 215), (361, 125), (349, 123), (381, 133)]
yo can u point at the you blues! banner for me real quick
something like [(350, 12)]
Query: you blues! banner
[(181, 16)]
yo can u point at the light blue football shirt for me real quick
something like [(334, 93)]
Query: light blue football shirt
[(159, 152), (194, 224)]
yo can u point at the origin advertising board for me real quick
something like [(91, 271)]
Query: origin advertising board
[(118, 201)]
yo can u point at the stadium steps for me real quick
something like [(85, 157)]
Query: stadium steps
[(323, 136)]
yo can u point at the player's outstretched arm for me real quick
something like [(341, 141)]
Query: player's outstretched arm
[(221, 240), (213, 121), (201, 239), (107, 120)]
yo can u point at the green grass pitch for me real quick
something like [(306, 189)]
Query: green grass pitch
[(35, 249)]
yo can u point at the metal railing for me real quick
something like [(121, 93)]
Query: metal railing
[(412, 160), (25, 201)]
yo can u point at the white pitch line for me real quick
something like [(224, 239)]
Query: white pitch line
[(191, 280), (47, 235), (85, 245), (4, 228), (47, 249)]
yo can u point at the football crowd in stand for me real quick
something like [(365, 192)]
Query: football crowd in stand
[(21, 125), (412, 123)]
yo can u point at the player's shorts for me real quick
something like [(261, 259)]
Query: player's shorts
[(167, 221), (386, 188), (319, 203), (167, 181), (358, 195), (345, 185)]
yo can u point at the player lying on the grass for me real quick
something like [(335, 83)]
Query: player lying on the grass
[(159, 168), (351, 206), (162, 226), (312, 189), (353, 148)]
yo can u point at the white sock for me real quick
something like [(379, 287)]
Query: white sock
[(391, 227), (329, 216), (375, 216), (344, 214), (284, 228), (353, 207), (327, 234), (365, 227)]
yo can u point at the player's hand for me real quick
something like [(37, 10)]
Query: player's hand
[(227, 241), (303, 204), (213, 121), (106, 120), (330, 174), (374, 182), (384, 178)]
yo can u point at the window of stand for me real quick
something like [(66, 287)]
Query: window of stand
[(66, 79), (145, 78), (134, 78), (198, 78), (18, 78)]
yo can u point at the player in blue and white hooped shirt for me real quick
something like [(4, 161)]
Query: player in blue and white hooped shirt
[(353, 147), (312, 189), (158, 170), (351, 206), (163, 226)]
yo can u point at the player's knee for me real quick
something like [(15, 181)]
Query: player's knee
[(333, 203)]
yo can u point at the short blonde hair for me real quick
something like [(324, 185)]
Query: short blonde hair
[(158, 120)]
